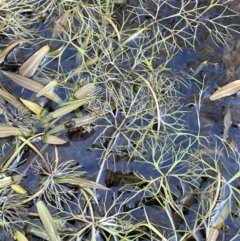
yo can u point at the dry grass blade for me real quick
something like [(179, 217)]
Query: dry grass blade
[(24, 82), (47, 221), (226, 90), (6, 131), (31, 64), (54, 140)]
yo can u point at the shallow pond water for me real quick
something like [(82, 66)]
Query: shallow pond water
[(156, 140)]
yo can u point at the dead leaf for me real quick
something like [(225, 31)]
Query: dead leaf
[(226, 90), (31, 64), (24, 82), (227, 123)]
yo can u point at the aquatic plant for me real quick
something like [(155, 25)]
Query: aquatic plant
[(113, 67)]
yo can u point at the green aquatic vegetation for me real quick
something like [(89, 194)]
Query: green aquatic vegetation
[(108, 67), (61, 181)]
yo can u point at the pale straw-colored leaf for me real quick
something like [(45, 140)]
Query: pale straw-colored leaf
[(35, 108), (5, 51), (54, 140), (47, 88), (51, 95), (226, 90), (221, 210), (6, 181), (24, 81), (31, 64), (227, 122), (83, 91), (56, 129), (92, 61), (199, 68), (114, 27), (62, 21), (71, 106), (10, 98), (6, 131), (47, 221)]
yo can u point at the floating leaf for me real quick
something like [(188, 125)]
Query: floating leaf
[(24, 82), (47, 88), (35, 108), (6, 131), (5, 51), (18, 189), (20, 236), (226, 90), (47, 221), (31, 64), (54, 140)]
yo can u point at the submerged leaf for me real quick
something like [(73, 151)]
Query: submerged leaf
[(19, 236), (226, 90), (24, 82), (58, 28), (84, 183), (51, 95), (227, 123), (47, 221), (56, 129), (5, 51), (54, 140)]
